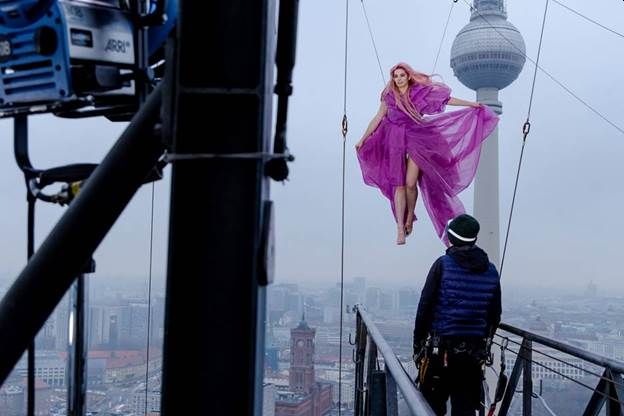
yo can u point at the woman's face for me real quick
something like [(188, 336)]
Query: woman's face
[(400, 78)]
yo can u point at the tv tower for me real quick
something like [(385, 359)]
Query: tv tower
[(488, 55)]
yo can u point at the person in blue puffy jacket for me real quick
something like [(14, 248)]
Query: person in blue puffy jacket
[(459, 309)]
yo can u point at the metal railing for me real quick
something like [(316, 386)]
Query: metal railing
[(376, 390), (610, 388)]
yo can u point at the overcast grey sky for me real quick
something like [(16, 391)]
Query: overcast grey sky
[(570, 197), (568, 223)]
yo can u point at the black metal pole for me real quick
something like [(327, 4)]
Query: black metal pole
[(513, 380), (69, 246), (142, 58), (277, 169), (77, 357), (20, 146), (527, 380), (76, 370), (80, 350), (360, 341), (217, 207), (31, 347), (372, 360)]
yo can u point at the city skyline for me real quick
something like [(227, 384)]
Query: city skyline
[(590, 318), (587, 320)]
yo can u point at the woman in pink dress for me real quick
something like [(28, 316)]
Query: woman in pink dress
[(411, 142)]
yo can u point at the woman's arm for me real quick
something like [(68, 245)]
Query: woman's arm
[(373, 124), (458, 102)]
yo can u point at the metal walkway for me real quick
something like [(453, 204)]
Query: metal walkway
[(380, 376)]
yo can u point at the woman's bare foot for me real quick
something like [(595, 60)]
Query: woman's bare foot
[(400, 235), (409, 227)]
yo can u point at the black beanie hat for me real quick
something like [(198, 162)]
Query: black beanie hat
[(462, 230)]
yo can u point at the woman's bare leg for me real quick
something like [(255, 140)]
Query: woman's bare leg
[(399, 208), (411, 182)]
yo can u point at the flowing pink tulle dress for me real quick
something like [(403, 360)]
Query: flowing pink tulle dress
[(445, 146)]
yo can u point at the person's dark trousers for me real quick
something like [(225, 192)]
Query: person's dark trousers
[(459, 377)]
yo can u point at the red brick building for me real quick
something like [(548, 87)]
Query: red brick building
[(305, 396)]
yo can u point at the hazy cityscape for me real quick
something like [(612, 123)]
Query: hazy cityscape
[(117, 338), (589, 319), (119, 363)]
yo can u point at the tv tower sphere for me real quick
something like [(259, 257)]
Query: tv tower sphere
[(488, 55), (482, 56)]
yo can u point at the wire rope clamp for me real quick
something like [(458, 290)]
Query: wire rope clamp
[(526, 128)]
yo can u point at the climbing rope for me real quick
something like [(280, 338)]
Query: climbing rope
[(448, 19), (546, 406), (589, 19), (149, 301), (372, 38), (344, 130), (526, 128)]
